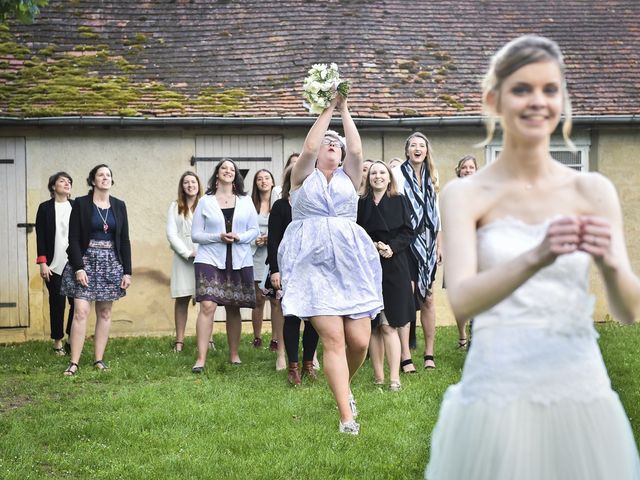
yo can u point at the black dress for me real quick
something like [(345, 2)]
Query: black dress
[(389, 222)]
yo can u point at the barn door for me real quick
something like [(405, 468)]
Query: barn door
[(14, 284)]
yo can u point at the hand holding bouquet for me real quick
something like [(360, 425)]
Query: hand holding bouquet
[(321, 87)]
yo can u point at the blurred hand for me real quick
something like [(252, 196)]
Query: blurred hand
[(126, 281), (45, 272), (562, 237), (81, 278), (227, 237), (595, 238), (275, 281)]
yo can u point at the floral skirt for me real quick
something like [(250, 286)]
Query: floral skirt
[(226, 287), (104, 272)]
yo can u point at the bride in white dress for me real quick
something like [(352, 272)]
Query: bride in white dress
[(535, 401)]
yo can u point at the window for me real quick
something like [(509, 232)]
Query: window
[(578, 159)]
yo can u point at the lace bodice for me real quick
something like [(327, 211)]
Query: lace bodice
[(319, 198), (556, 297), (539, 343)]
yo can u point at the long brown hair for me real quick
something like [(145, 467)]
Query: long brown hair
[(428, 161), (183, 207), (391, 188), (255, 193)]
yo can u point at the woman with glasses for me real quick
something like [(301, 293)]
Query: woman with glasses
[(330, 269)]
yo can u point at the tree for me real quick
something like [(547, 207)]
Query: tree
[(23, 10)]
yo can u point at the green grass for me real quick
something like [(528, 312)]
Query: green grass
[(149, 417)]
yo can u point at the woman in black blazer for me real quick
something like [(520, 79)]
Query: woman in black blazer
[(52, 228), (99, 268), (384, 214)]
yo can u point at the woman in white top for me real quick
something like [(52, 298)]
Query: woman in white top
[(52, 235), (535, 400), (179, 217), (225, 224), (261, 194)]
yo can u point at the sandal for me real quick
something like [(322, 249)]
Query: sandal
[(378, 381), (429, 358), (212, 346), (395, 386), (100, 365), (408, 363), (71, 371), (273, 346), (61, 352), (178, 346), (463, 344), (257, 342), (197, 369)]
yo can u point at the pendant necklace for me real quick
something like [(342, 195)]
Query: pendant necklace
[(105, 225)]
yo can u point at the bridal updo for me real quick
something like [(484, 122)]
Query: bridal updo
[(514, 55)]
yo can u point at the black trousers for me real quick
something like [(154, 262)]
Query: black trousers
[(291, 333), (56, 307)]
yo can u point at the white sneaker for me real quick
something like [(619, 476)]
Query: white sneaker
[(351, 427), (353, 406)]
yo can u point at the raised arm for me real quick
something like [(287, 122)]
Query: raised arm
[(603, 238), (306, 161), (471, 292), (353, 160)]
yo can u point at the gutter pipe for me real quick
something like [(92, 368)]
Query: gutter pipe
[(204, 122)]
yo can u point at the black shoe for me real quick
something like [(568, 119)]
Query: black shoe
[(197, 369)]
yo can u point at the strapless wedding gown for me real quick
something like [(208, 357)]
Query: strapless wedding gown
[(535, 401)]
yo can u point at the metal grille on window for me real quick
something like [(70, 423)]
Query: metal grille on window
[(568, 158)]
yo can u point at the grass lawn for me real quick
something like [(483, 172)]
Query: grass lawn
[(149, 417)]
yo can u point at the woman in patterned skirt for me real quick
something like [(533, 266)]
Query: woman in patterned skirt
[(224, 225), (99, 268)]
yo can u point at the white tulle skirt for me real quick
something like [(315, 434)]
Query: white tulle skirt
[(533, 406), (521, 440)]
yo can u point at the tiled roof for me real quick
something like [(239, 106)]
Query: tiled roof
[(248, 58)]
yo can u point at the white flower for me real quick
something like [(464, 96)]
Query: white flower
[(320, 87)]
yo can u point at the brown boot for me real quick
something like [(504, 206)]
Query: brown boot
[(308, 370), (294, 375)]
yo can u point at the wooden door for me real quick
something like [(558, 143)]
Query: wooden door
[(14, 283)]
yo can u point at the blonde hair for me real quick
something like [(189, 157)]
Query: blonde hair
[(462, 161), (514, 55), (433, 172), (392, 191)]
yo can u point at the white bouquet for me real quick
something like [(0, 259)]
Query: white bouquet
[(321, 86)]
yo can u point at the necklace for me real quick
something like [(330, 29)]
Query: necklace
[(105, 226), (226, 201)]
